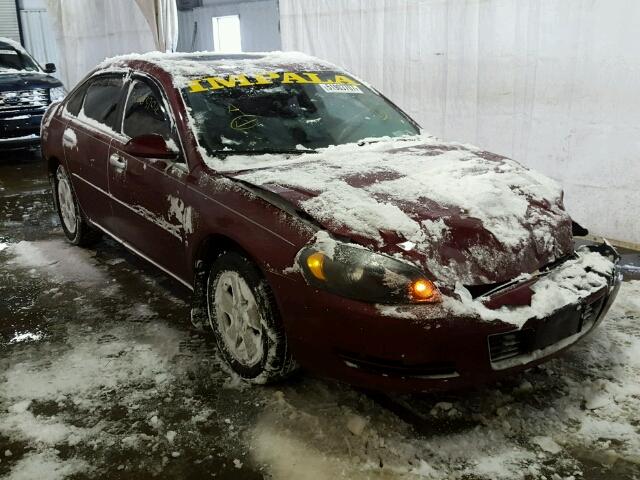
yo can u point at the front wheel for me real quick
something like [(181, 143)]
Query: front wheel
[(75, 228), (244, 319)]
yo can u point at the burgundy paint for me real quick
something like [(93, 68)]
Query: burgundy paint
[(318, 324)]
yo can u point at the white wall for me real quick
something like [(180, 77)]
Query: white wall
[(39, 39), (88, 31), (259, 24), (551, 83)]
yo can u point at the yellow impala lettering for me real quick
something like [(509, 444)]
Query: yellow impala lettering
[(347, 80), (266, 78), (290, 77), (195, 86), (313, 77), (213, 85), (232, 81)]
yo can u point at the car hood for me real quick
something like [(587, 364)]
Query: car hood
[(462, 214), (18, 80)]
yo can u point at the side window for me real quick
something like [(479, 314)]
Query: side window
[(102, 99), (145, 112), (74, 102)]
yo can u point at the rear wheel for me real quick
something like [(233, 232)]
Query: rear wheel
[(244, 319), (75, 227)]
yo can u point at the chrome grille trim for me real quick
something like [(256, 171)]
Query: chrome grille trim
[(18, 100)]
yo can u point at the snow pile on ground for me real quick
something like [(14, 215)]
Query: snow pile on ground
[(47, 465), (60, 260), (105, 380)]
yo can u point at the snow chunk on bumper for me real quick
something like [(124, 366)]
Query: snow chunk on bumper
[(567, 284)]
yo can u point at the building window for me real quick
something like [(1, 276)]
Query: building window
[(226, 34)]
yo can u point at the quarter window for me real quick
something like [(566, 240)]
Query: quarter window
[(75, 99), (102, 99), (145, 112)]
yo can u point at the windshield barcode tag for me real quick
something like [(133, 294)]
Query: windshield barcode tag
[(334, 88)]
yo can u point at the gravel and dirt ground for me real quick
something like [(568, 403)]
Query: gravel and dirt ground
[(102, 377)]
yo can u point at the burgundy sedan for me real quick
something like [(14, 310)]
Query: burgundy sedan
[(318, 226)]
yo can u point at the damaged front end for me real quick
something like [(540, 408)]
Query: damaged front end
[(552, 308)]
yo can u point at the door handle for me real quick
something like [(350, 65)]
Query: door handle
[(117, 161)]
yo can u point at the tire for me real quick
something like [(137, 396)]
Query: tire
[(244, 318), (74, 226)]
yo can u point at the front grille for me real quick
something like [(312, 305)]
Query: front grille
[(395, 368), (503, 346), (24, 99), (562, 324)]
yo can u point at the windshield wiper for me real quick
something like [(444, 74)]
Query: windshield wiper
[(226, 153), (369, 141)]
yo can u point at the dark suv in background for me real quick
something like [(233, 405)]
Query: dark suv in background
[(26, 91)]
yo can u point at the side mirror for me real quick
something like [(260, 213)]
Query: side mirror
[(50, 68), (150, 146)]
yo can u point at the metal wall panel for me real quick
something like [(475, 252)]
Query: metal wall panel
[(9, 20), (39, 39)]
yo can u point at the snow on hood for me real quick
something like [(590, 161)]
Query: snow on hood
[(467, 214)]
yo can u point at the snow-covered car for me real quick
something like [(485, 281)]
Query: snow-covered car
[(26, 91), (318, 226)]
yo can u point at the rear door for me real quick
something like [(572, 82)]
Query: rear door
[(93, 113), (149, 212)]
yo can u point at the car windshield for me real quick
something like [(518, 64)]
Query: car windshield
[(289, 112), (12, 59)]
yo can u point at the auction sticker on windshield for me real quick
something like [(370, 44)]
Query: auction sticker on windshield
[(333, 88)]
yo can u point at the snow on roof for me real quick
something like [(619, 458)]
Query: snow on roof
[(185, 66), (11, 43)]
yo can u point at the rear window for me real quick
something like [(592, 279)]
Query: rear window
[(102, 99)]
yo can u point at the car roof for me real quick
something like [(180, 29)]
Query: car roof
[(186, 66)]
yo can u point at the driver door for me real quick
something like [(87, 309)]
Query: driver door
[(148, 211)]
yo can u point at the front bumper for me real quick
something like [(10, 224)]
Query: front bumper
[(20, 130), (424, 347)]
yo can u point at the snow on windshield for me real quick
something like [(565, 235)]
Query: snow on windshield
[(203, 72), (288, 111)]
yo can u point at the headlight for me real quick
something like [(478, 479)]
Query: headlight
[(56, 94), (360, 274)]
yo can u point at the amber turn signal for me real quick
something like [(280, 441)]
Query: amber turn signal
[(315, 262), (423, 290)]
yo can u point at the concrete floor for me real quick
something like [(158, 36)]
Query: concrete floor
[(101, 377)]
